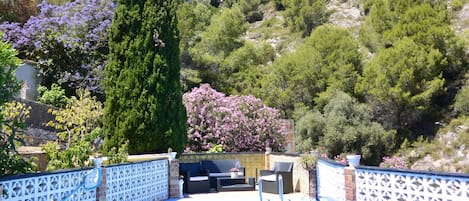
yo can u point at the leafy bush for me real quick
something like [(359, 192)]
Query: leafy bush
[(8, 64), (69, 42), (55, 96), (461, 104), (118, 155), (219, 39), (304, 15), (308, 161), (456, 5), (14, 114), (309, 130), (78, 125), (237, 123), (345, 126)]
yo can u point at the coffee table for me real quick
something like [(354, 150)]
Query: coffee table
[(235, 184)]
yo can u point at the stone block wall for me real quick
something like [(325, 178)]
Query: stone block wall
[(173, 178)]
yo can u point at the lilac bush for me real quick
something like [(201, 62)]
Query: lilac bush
[(394, 162), (68, 41), (237, 123)]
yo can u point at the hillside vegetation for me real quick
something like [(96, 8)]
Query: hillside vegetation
[(364, 76)]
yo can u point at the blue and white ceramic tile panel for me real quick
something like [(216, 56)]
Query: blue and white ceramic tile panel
[(330, 180), (47, 187), (138, 182), (373, 184)]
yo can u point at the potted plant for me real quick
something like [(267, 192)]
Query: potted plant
[(308, 161), (353, 160), (234, 172), (171, 153)]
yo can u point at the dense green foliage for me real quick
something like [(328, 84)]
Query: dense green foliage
[(11, 135), (78, 125), (345, 126), (242, 71), (8, 64), (55, 96), (219, 39), (329, 60), (461, 103), (418, 62), (11, 117), (193, 18), (143, 93), (400, 82), (304, 15), (309, 130)]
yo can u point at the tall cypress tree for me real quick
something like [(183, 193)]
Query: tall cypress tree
[(143, 92)]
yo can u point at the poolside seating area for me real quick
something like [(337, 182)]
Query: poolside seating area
[(158, 179), (219, 175)]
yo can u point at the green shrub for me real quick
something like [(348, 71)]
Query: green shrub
[(14, 114), (461, 104), (456, 5), (55, 96), (308, 161), (309, 130), (78, 125)]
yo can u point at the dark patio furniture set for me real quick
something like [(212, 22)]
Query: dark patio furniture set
[(200, 177)]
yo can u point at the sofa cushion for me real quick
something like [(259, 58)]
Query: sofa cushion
[(194, 169), (268, 178), (220, 174), (199, 178), (220, 166)]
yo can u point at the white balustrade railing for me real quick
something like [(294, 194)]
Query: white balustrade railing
[(330, 180), (46, 186), (138, 181), (391, 184)]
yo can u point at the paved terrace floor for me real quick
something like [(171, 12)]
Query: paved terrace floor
[(241, 196)]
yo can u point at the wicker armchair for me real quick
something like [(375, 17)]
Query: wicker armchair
[(270, 181)]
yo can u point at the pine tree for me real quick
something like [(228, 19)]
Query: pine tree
[(143, 93)]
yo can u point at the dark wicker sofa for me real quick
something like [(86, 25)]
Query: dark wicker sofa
[(221, 168), (196, 179)]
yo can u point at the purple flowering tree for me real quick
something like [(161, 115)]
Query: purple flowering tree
[(69, 42), (237, 123)]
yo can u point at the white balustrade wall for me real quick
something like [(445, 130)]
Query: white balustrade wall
[(138, 181), (45, 186), (392, 184), (147, 180), (330, 180)]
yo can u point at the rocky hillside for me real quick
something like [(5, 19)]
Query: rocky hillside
[(448, 152), (272, 29)]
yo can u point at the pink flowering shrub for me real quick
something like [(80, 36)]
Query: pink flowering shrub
[(237, 123), (341, 158), (394, 162)]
